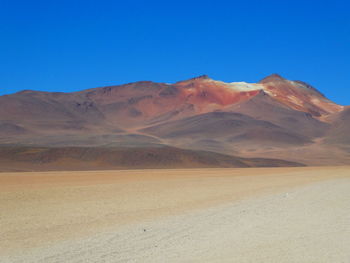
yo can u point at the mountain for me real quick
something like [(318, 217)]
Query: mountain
[(275, 118), (340, 130)]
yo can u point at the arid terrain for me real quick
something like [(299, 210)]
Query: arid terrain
[(199, 122), (295, 214), (174, 131), (153, 172)]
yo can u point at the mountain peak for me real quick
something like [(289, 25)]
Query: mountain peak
[(201, 77), (272, 78)]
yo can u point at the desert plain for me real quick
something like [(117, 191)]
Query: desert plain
[(295, 214)]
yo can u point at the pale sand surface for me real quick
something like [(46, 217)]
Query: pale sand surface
[(200, 215)]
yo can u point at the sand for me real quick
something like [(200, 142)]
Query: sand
[(199, 215)]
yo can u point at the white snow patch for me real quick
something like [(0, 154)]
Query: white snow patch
[(244, 86), (240, 86)]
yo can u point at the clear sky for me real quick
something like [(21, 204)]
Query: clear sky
[(59, 45)]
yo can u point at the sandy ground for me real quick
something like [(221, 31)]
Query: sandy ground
[(200, 215)]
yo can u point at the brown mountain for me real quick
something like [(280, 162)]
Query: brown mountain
[(339, 133), (275, 118)]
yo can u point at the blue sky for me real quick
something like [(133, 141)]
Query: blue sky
[(74, 45)]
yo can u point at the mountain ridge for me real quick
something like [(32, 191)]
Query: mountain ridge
[(276, 115)]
